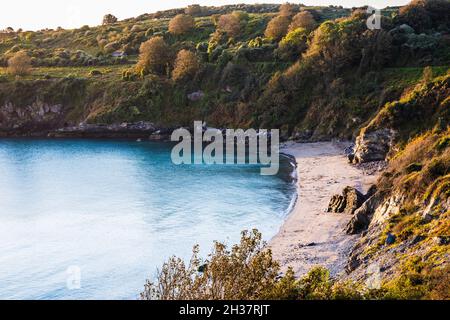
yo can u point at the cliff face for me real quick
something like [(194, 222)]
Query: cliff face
[(405, 226)]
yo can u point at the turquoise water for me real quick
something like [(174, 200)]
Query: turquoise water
[(116, 210)]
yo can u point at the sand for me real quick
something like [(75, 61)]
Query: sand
[(310, 236)]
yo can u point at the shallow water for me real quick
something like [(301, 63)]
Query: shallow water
[(115, 210)]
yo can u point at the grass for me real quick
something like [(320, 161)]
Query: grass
[(113, 72), (401, 78)]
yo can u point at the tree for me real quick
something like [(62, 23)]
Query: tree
[(293, 45), (241, 15), (425, 14), (186, 65), (155, 56), (19, 64), (247, 271), (229, 24), (109, 19), (277, 27), (193, 10), (181, 24), (304, 20), (286, 9)]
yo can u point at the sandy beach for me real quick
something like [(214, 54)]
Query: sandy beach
[(310, 236)]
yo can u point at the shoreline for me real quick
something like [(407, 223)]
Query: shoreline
[(310, 236)]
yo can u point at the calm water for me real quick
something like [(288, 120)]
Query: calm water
[(116, 210)]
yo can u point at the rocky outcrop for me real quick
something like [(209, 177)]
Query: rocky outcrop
[(118, 130), (372, 146), (347, 202), (34, 116), (363, 215)]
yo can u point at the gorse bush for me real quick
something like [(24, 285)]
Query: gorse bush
[(247, 271), (155, 57), (19, 64), (303, 20), (277, 27), (186, 65), (181, 24), (229, 24)]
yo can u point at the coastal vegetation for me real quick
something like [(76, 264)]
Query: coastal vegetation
[(316, 73)]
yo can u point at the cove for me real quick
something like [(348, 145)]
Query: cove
[(114, 211)]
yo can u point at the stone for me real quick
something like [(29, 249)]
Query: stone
[(390, 239), (363, 215), (442, 240), (350, 200), (196, 96), (373, 146)]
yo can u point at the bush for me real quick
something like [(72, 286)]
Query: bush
[(186, 65), (155, 57), (286, 9), (293, 45), (19, 64), (193, 10), (277, 27), (303, 20), (229, 24), (246, 272), (181, 24)]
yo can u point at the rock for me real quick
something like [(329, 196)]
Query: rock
[(417, 239), (373, 146), (390, 239), (388, 208), (426, 217), (196, 96), (363, 215), (442, 240), (350, 200)]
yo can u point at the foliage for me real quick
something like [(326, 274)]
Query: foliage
[(155, 57), (181, 24), (19, 64), (277, 27), (247, 271), (286, 9), (303, 19), (186, 65), (293, 45), (229, 24)]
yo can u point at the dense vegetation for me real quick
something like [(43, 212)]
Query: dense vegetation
[(314, 72)]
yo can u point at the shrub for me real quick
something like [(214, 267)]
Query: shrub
[(413, 167), (155, 56), (193, 10), (293, 45), (181, 24), (229, 24), (286, 9), (241, 15), (186, 65), (277, 27), (303, 20), (443, 143), (247, 271), (19, 64)]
